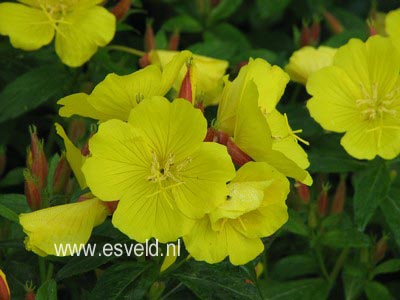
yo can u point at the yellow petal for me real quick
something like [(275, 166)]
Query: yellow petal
[(392, 25), (28, 28), (71, 224), (175, 127), (171, 256), (74, 156), (78, 104), (82, 32), (307, 61)]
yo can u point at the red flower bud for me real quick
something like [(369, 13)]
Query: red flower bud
[(61, 175), (186, 91), (144, 61), (36, 159), (121, 9), (149, 39), (380, 249), (76, 129), (340, 196), (310, 35), (333, 22), (29, 291), (32, 191), (238, 156), (323, 201), (173, 42), (303, 191), (111, 205), (4, 289), (3, 160)]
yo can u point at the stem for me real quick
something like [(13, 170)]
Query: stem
[(42, 269), (171, 291), (338, 265), (50, 271), (127, 50), (321, 262)]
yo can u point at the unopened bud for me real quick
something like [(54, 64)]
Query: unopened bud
[(372, 29), (3, 160), (173, 43), (149, 39), (4, 289), (156, 290), (323, 201), (29, 291), (76, 129), (310, 35), (259, 268), (61, 175), (340, 196), (120, 10), (32, 191), (111, 205), (36, 159), (144, 61), (186, 91), (303, 191), (238, 156), (380, 249), (333, 22)]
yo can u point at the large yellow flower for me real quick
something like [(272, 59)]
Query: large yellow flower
[(4, 289), (79, 27), (115, 96), (392, 25), (254, 208), (308, 60), (159, 167), (65, 224), (360, 95), (207, 74), (247, 113)]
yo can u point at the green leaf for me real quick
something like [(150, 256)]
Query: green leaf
[(183, 23), (8, 214), (52, 169), (390, 208), (224, 10), (340, 39), (31, 90), (371, 187), (13, 177), (47, 291), (294, 266), (389, 266), (218, 281), (340, 238), (296, 224), (15, 202), (305, 289), (377, 291), (115, 281), (81, 264), (267, 9), (354, 278)]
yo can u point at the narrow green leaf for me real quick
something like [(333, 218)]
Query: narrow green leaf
[(349, 238), (371, 187), (183, 23), (15, 202), (389, 266), (224, 10), (8, 214), (377, 291), (294, 266), (390, 208), (13, 177), (354, 278), (47, 291)]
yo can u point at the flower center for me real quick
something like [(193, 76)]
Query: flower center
[(373, 105), (56, 10)]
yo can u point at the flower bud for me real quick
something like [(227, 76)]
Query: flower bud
[(32, 191), (144, 61), (111, 205), (323, 201), (36, 159), (380, 249), (333, 22), (340, 196), (310, 35), (303, 191), (149, 39), (4, 289), (120, 10), (238, 156), (61, 175), (259, 268), (156, 290), (186, 87), (29, 291), (3, 160), (76, 129), (173, 42)]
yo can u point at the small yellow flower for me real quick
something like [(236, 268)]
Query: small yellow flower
[(207, 74), (360, 95), (159, 167), (254, 208), (71, 223), (115, 96), (4, 289), (392, 25), (308, 60)]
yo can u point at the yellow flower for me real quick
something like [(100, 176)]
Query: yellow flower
[(308, 60), (79, 27), (247, 113), (392, 25), (359, 95), (65, 224), (159, 167), (4, 289), (207, 74), (115, 96), (254, 208)]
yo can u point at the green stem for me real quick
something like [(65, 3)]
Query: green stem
[(50, 271), (42, 269), (127, 50), (321, 262), (338, 266)]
